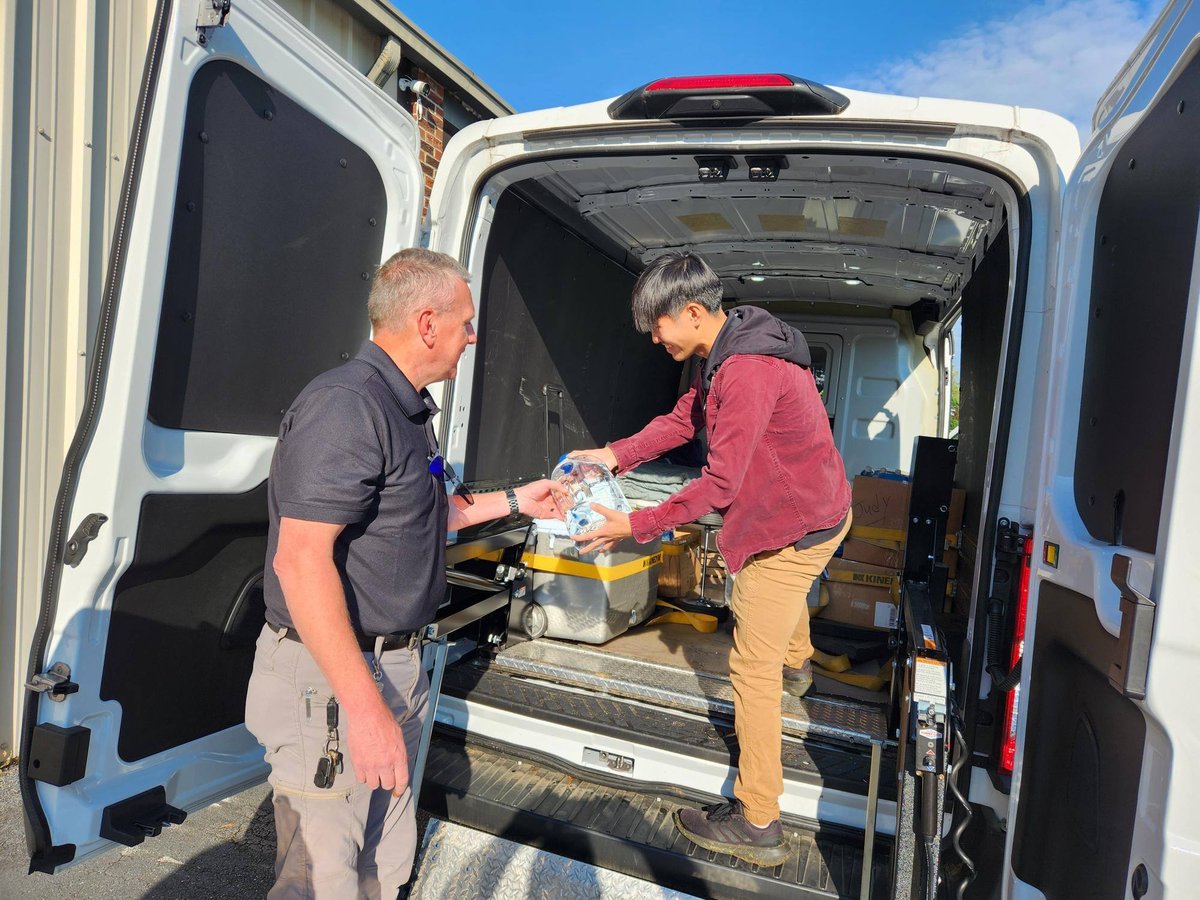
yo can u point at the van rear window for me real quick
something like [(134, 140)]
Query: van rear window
[(277, 230)]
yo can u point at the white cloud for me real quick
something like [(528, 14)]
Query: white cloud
[(1057, 55)]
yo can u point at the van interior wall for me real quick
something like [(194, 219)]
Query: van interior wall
[(984, 303), (561, 366)]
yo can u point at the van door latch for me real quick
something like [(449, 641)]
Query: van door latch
[(1130, 668), (77, 545), (55, 681), (212, 14)]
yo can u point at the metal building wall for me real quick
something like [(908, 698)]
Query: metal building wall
[(70, 71), (70, 75)]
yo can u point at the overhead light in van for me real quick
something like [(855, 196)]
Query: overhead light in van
[(728, 97), (853, 281), (765, 168), (757, 279), (714, 168)]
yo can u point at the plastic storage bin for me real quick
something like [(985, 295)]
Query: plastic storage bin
[(592, 598)]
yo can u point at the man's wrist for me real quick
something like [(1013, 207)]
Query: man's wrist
[(514, 503)]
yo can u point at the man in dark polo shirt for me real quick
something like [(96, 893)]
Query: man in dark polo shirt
[(355, 568)]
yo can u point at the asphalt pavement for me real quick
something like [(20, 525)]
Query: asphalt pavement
[(225, 851)]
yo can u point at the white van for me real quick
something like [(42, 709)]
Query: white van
[(265, 181)]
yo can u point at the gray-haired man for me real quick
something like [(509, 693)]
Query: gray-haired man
[(355, 568)]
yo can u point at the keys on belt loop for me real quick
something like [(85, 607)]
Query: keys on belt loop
[(329, 766), (376, 665)]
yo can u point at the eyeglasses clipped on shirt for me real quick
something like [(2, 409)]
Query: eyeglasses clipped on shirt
[(439, 468)]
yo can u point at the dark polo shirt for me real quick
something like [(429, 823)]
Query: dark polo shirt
[(354, 450)]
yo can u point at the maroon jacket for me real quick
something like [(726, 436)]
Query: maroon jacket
[(773, 472)]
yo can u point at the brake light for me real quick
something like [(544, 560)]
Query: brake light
[(728, 98), (708, 82), (1012, 700)]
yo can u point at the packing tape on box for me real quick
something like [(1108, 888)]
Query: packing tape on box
[(540, 563), (866, 579), (868, 533)]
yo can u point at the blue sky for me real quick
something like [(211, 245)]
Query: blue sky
[(1053, 54)]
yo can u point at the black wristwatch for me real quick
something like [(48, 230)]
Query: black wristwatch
[(513, 506)]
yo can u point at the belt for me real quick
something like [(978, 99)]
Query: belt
[(400, 639)]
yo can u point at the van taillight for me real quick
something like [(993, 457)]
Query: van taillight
[(729, 98), (1012, 700), (705, 82)]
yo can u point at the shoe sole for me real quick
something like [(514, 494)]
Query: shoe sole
[(759, 856), (797, 690)]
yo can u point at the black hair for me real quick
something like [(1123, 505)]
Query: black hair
[(669, 283)]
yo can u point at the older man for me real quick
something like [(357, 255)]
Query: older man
[(355, 569)]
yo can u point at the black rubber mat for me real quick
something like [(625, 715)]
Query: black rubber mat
[(844, 768), (607, 824)]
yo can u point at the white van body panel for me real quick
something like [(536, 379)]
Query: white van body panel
[(263, 39), (1167, 834)]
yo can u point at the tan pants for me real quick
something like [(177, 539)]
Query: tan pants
[(770, 608), (347, 840)]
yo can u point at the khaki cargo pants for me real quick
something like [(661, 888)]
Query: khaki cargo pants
[(345, 841), (770, 608)]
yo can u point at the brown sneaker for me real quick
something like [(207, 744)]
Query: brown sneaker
[(724, 829), (797, 681)]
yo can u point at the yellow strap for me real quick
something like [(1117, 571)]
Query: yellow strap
[(703, 623), (868, 533), (951, 541), (868, 682), (540, 563), (830, 663)]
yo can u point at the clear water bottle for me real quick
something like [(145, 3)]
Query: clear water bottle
[(587, 480)]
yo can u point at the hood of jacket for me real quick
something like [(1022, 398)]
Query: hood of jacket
[(750, 330)]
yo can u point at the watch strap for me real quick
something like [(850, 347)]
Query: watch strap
[(513, 506)]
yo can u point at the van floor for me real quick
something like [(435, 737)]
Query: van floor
[(677, 667)]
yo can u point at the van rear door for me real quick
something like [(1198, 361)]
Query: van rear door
[(265, 181), (1107, 752)]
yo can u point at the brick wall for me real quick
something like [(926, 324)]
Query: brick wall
[(428, 113)]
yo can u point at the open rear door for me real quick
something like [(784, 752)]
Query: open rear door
[(265, 181), (1107, 768)]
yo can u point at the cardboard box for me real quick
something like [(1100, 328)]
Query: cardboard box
[(874, 553), (861, 594), (950, 560), (680, 571), (954, 518), (880, 503), (864, 607)]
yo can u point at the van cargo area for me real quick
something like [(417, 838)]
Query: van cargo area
[(884, 263)]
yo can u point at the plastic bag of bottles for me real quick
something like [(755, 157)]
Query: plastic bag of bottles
[(587, 480)]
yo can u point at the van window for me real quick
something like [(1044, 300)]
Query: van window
[(278, 227)]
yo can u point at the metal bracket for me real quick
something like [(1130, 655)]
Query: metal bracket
[(1129, 670), (77, 545), (55, 681), (212, 14)]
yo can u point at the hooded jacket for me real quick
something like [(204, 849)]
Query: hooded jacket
[(773, 471)]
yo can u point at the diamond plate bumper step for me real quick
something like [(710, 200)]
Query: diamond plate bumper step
[(550, 818), (676, 688)]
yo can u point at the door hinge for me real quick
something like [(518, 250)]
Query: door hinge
[(212, 14), (1131, 667), (77, 545), (55, 681)]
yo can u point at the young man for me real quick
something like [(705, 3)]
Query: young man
[(780, 484), (355, 570)]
